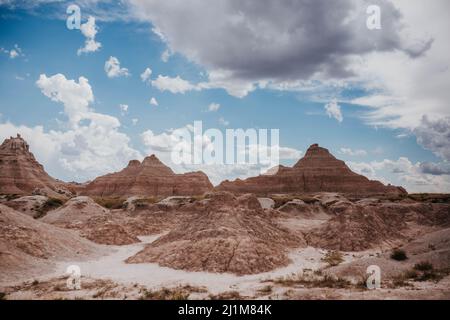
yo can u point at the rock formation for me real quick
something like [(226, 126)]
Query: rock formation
[(22, 174), (223, 233), (317, 171), (149, 178), (28, 246)]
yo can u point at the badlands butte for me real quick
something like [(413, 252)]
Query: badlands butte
[(305, 232)]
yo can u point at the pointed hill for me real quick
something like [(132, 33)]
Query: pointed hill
[(317, 171), (22, 174), (149, 178)]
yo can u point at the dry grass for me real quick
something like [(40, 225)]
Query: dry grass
[(164, 294), (333, 258), (227, 295), (422, 271), (110, 203), (313, 281)]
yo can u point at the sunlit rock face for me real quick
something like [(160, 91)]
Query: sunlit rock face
[(149, 178), (317, 171)]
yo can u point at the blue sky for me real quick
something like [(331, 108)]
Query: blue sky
[(366, 138)]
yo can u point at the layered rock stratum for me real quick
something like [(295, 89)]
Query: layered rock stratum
[(317, 171), (22, 174), (223, 233), (148, 178)]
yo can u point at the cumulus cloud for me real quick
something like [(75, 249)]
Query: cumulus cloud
[(333, 110), (256, 40), (146, 74), (223, 122), (434, 135), (213, 107), (123, 109), (353, 153), (415, 177), (90, 144), (174, 85), (436, 169), (166, 55), (164, 143), (15, 52), (113, 68), (89, 30), (154, 102)]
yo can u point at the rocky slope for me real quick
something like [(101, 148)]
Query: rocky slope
[(22, 174), (28, 246), (223, 234), (317, 171), (149, 178)]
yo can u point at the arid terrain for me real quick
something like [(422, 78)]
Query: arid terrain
[(307, 232)]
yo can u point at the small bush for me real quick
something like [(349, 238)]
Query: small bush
[(399, 255), (50, 204), (333, 258), (266, 289), (110, 203), (165, 294), (228, 295), (423, 266)]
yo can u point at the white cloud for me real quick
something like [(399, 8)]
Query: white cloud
[(353, 153), (153, 102), (75, 97), (415, 177), (166, 55), (146, 74), (163, 144), (113, 69), (174, 85), (434, 135), (89, 30), (333, 110), (134, 121), (91, 143), (14, 52), (223, 122), (213, 107), (123, 108)]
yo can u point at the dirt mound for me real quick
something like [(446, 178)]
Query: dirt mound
[(357, 227), (30, 205), (317, 171), (100, 225), (28, 245), (223, 234), (75, 211)]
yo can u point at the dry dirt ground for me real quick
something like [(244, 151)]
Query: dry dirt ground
[(35, 254)]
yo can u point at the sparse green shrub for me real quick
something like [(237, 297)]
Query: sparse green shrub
[(399, 255)]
